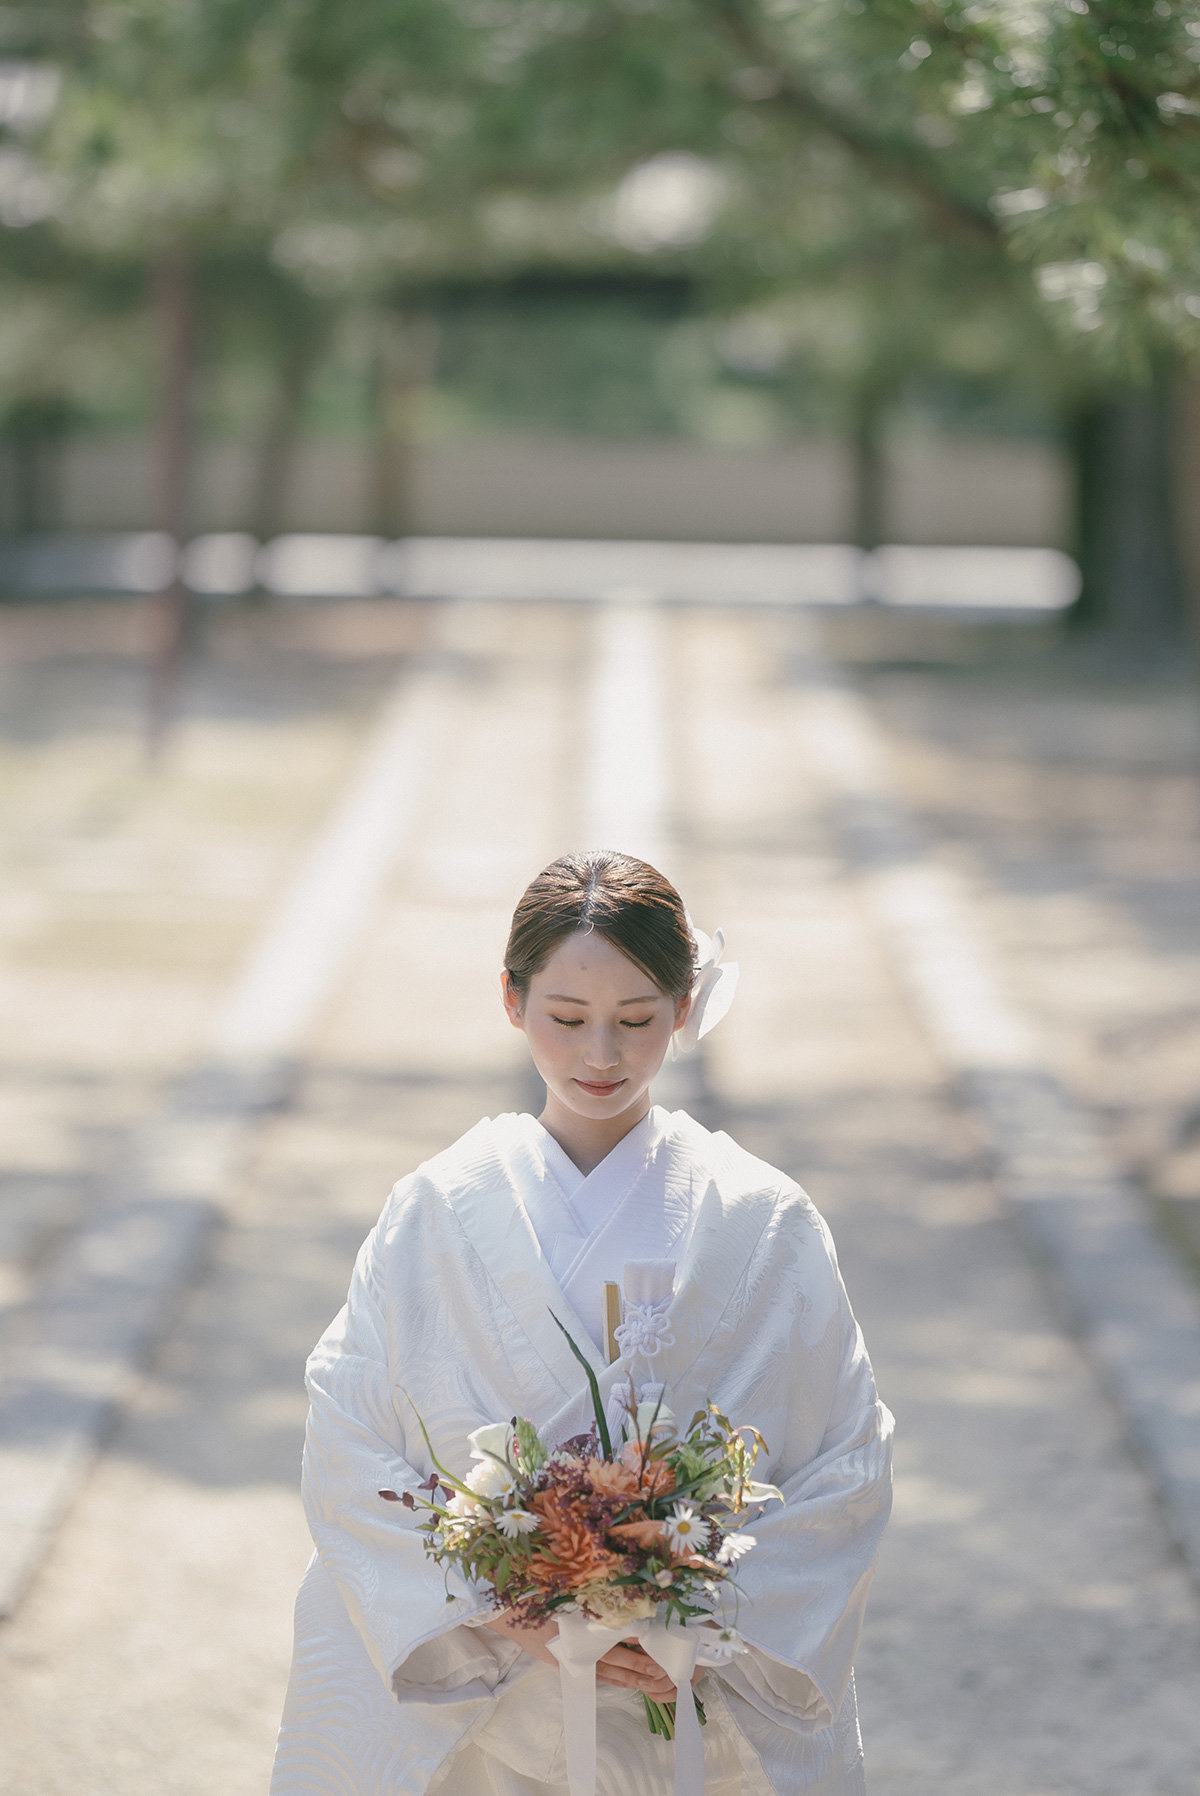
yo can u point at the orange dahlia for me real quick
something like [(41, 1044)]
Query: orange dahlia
[(655, 1477), (658, 1480), (612, 1480), (574, 1556), (643, 1534)]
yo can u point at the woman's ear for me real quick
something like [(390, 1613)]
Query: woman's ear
[(513, 1002), (683, 1010)]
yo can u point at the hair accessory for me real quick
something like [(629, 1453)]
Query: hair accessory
[(712, 991)]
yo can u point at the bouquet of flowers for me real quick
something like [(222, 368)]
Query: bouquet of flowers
[(615, 1532)]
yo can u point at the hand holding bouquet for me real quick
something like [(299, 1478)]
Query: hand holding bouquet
[(612, 1534)]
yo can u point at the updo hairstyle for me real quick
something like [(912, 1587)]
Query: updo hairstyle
[(625, 901)]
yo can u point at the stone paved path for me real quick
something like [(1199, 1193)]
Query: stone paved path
[(129, 893), (1066, 787), (1031, 1633)]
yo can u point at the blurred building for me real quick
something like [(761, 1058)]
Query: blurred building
[(939, 489)]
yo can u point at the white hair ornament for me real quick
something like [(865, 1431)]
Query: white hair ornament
[(712, 991)]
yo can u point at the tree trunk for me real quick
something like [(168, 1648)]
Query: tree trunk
[(405, 363), (1125, 537), (173, 313), (268, 507), (29, 480), (870, 470), (35, 434), (1084, 437), (1186, 495)]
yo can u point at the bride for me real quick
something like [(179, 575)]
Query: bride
[(404, 1680)]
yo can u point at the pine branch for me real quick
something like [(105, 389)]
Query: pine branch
[(901, 165)]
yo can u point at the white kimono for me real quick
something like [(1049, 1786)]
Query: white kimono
[(393, 1691)]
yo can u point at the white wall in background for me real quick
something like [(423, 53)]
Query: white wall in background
[(947, 490)]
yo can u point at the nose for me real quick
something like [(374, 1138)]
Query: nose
[(602, 1052)]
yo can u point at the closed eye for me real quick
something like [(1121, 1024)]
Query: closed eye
[(576, 1022)]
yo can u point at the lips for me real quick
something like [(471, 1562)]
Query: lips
[(600, 1089)]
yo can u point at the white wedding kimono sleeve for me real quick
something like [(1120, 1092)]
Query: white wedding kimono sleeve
[(407, 1610), (808, 1578)]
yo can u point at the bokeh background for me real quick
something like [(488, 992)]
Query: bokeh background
[(909, 273), (760, 434)]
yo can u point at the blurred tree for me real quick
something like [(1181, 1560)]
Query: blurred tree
[(154, 174), (1068, 132), (161, 176), (919, 185), (959, 161), (35, 429)]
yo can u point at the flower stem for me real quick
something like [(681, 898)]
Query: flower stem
[(661, 1717)]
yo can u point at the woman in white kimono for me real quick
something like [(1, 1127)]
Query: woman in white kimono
[(404, 1679)]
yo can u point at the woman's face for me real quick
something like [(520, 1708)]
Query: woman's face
[(598, 1028)]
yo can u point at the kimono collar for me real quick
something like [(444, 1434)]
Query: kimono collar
[(482, 1177), (594, 1195)]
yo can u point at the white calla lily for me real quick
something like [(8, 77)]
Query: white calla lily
[(762, 1493), (493, 1441)]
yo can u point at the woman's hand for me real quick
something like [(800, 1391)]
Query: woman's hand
[(534, 1640), (625, 1665), (632, 1667)]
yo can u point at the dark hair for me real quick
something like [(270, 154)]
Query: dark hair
[(624, 900)]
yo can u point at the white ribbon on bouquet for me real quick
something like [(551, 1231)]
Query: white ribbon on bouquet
[(582, 1643)]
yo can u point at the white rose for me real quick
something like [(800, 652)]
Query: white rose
[(489, 1479), (654, 1416)]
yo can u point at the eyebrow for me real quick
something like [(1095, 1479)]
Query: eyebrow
[(564, 998)]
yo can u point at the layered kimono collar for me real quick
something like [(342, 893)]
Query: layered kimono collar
[(633, 1205), (594, 1195), (710, 1197)]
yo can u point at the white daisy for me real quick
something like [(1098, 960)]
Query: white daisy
[(686, 1532), (734, 1547), (512, 1522), (718, 1649)]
